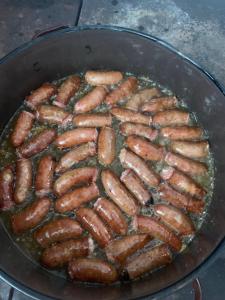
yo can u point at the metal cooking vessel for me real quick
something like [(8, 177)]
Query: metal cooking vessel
[(68, 50)]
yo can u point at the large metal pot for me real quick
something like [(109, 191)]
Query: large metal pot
[(96, 47)]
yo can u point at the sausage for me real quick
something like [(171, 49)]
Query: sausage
[(30, 216), (119, 249), (184, 133), (22, 128), (138, 129), (174, 218), (40, 95), (23, 180), (60, 254), (171, 117), (145, 149), (126, 89), (75, 137), (92, 120), (159, 104), (44, 176), (152, 259), (37, 144), (67, 89), (75, 156), (76, 198), (106, 146), (74, 177), (118, 193), (6, 188), (138, 99), (103, 77), (112, 215), (90, 101), (126, 115), (92, 223), (92, 270), (135, 186), (53, 115), (57, 231), (191, 149), (182, 182), (131, 161), (180, 200), (185, 165), (157, 230)]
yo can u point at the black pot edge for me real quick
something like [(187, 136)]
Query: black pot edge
[(211, 258)]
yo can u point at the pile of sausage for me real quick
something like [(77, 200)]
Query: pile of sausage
[(144, 115)]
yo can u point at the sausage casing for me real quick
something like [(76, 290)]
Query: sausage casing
[(53, 115), (23, 180), (92, 270), (103, 77), (156, 105), (6, 188), (37, 144), (191, 149), (92, 120), (40, 95), (138, 99), (92, 223), (76, 198), (127, 115), (44, 176), (22, 128), (106, 145), (112, 215), (118, 193), (184, 133), (30, 216), (139, 130), (57, 230), (171, 117)]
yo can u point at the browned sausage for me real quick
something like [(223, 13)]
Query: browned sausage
[(182, 182), (186, 165), (22, 128), (180, 200), (57, 230), (131, 161), (126, 89), (126, 115), (152, 259), (92, 120), (30, 216), (174, 218), (171, 117), (6, 188), (135, 186), (145, 149), (60, 254), (103, 77), (75, 137), (67, 89), (92, 223), (76, 198), (106, 146), (75, 156), (74, 177), (92, 270), (118, 193), (185, 133), (53, 115), (23, 180), (138, 129), (157, 230), (118, 250), (44, 176), (37, 144), (156, 105), (191, 149), (40, 95), (138, 99), (90, 101), (112, 215)]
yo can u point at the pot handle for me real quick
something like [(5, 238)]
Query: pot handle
[(49, 30)]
